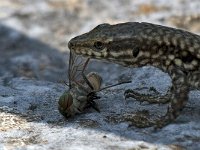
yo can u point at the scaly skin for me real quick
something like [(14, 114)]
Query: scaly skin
[(134, 44)]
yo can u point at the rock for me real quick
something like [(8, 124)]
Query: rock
[(29, 119)]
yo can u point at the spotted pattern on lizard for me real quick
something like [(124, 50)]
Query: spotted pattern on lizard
[(134, 44)]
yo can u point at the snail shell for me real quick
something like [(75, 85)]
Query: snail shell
[(95, 80)]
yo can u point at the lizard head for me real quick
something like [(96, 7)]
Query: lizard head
[(115, 43)]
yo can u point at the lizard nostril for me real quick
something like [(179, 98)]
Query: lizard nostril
[(70, 45)]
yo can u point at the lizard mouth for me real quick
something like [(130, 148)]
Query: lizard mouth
[(93, 56), (83, 53)]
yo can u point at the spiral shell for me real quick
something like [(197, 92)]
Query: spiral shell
[(95, 80)]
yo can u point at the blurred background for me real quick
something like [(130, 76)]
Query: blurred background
[(34, 33)]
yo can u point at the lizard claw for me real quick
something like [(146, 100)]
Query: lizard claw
[(146, 97), (128, 93)]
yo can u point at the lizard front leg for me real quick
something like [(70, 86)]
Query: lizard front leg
[(178, 97), (156, 98)]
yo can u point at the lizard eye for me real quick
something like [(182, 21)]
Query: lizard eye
[(136, 52), (99, 45)]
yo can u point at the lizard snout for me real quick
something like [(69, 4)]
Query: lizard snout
[(71, 44)]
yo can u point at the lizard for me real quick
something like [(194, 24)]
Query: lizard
[(136, 44)]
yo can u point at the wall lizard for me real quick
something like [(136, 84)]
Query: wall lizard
[(134, 44)]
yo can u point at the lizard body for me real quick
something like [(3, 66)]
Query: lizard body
[(135, 44)]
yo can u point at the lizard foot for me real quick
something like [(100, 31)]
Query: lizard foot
[(158, 99)]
